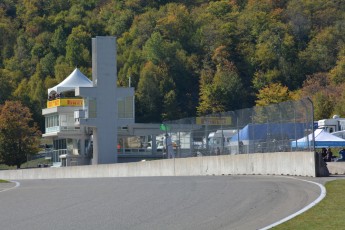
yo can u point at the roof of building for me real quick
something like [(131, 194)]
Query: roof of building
[(75, 79)]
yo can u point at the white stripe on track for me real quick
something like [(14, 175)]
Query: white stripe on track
[(322, 195), (17, 185)]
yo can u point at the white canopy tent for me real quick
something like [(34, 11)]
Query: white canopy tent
[(323, 139), (75, 79)]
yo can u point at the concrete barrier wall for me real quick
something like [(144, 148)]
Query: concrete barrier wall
[(285, 163), (336, 168)]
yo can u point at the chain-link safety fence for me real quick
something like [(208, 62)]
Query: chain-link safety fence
[(281, 127)]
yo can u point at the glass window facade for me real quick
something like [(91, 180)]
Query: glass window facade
[(60, 144), (52, 121)]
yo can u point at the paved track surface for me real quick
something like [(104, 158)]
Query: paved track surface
[(208, 202)]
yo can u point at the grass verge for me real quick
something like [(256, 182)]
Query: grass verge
[(328, 214), (29, 164), (4, 181)]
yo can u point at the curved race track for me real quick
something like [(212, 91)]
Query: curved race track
[(209, 202)]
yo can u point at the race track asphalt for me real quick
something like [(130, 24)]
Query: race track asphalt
[(148, 203)]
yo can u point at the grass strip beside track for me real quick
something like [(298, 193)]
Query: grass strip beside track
[(29, 164), (328, 214), (4, 181)]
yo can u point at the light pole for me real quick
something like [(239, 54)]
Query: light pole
[(164, 127)]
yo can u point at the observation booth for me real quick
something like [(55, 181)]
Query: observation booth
[(68, 138), (93, 121), (72, 142), (83, 116)]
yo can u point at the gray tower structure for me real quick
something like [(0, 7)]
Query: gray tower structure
[(100, 101)]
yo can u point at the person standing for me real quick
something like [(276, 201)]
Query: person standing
[(218, 151), (342, 154), (324, 153), (329, 155)]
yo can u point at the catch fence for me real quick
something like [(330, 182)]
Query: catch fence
[(261, 129)]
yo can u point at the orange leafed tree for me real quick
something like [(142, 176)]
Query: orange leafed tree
[(19, 135)]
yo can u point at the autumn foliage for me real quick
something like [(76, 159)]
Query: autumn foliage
[(19, 136), (184, 58)]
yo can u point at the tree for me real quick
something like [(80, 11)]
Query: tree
[(77, 53), (273, 93), (321, 53), (148, 95), (339, 107), (327, 97), (19, 136), (323, 106), (221, 89), (6, 86), (337, 74)]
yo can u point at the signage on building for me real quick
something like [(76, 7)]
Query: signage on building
[(65, 102), (72, 102), (213, 120)]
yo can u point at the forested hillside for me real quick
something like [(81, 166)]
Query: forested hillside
[(184, 58)]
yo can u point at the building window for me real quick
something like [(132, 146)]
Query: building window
[(90, 107), (125, 107), (52, 121)]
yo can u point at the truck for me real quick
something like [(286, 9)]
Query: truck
[(215, 140), (334, 124)]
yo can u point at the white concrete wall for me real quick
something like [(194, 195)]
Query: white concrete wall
[(286, 163)]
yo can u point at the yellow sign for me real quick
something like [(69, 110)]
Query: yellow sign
[(72, 102), (54, 103), (213, 120), (65, 102)]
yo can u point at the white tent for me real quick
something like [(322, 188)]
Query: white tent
[(75, 79), (323, 139)]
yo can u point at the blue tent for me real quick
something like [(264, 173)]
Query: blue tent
[(278, 131), (323, 139)]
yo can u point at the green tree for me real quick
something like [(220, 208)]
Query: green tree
[(6, 86), (118, 19), (22, 60), (266, 41), (176, 23), (321, 53), (78, 42), (323, 106), (171, 111), (221, 89), (273, 93), (337, 74), (7, 36), (148, 95), (58, 41), (19, 136), (339, 107), (62, 69), (157, 50)]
